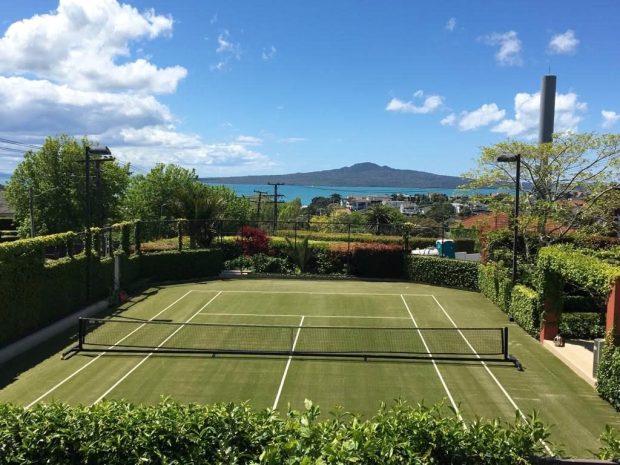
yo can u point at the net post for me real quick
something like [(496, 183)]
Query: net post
[(505, 342), (81, 328)]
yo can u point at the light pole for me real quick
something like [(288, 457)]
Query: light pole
[(512, 159)]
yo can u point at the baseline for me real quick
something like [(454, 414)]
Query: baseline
[(151, 353), (443, 382), (309, 293), (271, 315), (45, 394)]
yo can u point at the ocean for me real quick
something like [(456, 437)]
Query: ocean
[(307, 193)]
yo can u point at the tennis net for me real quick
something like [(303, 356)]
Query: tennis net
[(343, 341)]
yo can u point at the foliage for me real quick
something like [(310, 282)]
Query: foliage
[(380, 215), (441, 212), (582, 325), (608, 374), (376, 261), (261, 263), (584, 270), (171, 433), (442, 271), (496, 284), (55, 173), (610, 449), (300, 253), (328, 261), (573, 162), (321, 205), (525, 308), (252, 240), (187, 264)]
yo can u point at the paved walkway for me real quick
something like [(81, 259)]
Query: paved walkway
[(577, 355)]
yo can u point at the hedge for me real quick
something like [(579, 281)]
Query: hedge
[(525, 308), (187, 264), (582, 325), (115, 433), (608, 374), (496, 285), (442, 272)]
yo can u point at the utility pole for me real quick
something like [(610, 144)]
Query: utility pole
[(275, 203), (260, 197), (98, 162)]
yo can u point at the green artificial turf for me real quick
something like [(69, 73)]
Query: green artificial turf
[(577, 416)]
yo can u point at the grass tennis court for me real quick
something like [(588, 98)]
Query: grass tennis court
[(472, 388)]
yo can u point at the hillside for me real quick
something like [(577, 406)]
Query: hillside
[(358, 175)]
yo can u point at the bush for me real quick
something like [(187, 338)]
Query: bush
[(372, 260), (580, 325), (188, 264), (525, 308), (442, 272), (495, 284), (114, 433), (253, 240), (608, 374)]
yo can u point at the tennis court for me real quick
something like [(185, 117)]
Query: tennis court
[(356, 344)]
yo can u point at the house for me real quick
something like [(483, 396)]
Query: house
[(357, 203)]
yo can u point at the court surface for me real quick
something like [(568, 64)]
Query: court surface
[(468, 389)]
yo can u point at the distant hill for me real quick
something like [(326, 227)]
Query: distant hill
[(358, 175)]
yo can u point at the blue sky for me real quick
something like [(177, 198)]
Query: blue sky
[(257, 87)]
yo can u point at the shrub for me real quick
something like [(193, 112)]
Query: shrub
[(525, 308), (608, 374), (372, 260), (261, 263), (442, 272), (580, 325), (329, 261), (115, 433), (170, 266), (495, 284), (253, 240)]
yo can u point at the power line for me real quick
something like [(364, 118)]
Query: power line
[(21, 144), (11, 149)]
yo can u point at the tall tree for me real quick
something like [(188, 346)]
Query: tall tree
[(54, 177), (551, 174)]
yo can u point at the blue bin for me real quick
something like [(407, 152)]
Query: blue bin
[(445, 248)]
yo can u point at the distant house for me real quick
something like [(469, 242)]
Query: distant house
[(7, 214), (355, 203)]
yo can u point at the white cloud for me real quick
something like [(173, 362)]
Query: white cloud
[(80, 43), (292, 140), (565, 43), (430, 104), (509, 53), (483, 116), (269, 53), (249, 140), (568, 111), (451, 24), (227, 49), (449, 120), (610, 118)]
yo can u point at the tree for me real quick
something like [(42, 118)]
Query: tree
[(441, 212), (382, 215), (551, 173), (153, 195), (55, 177), (290, 212)]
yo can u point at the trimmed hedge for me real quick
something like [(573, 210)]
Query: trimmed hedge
[(525, 308), (496, 285), (608, 374), (581, 325), (377, 261), (442, 272), (187, 264), (119, 433)]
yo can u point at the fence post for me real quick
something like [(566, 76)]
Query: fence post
[(295, 231), (348, 248), (137, 238)]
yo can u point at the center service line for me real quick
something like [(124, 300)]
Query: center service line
[(151, 353), (445, 386), (288, 364)]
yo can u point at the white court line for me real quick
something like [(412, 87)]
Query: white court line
[(312, 293), (512, 402), (443, 382), (362, 317), (288, 364), (103, 353), (151, 353)]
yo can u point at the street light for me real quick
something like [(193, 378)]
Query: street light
[(512, 159)]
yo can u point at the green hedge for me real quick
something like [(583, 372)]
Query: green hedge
[(525, 308), (187, 264), (442, 272), (377, 261), (118, 433), (582, 325), (495, 285), (608, 374)]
